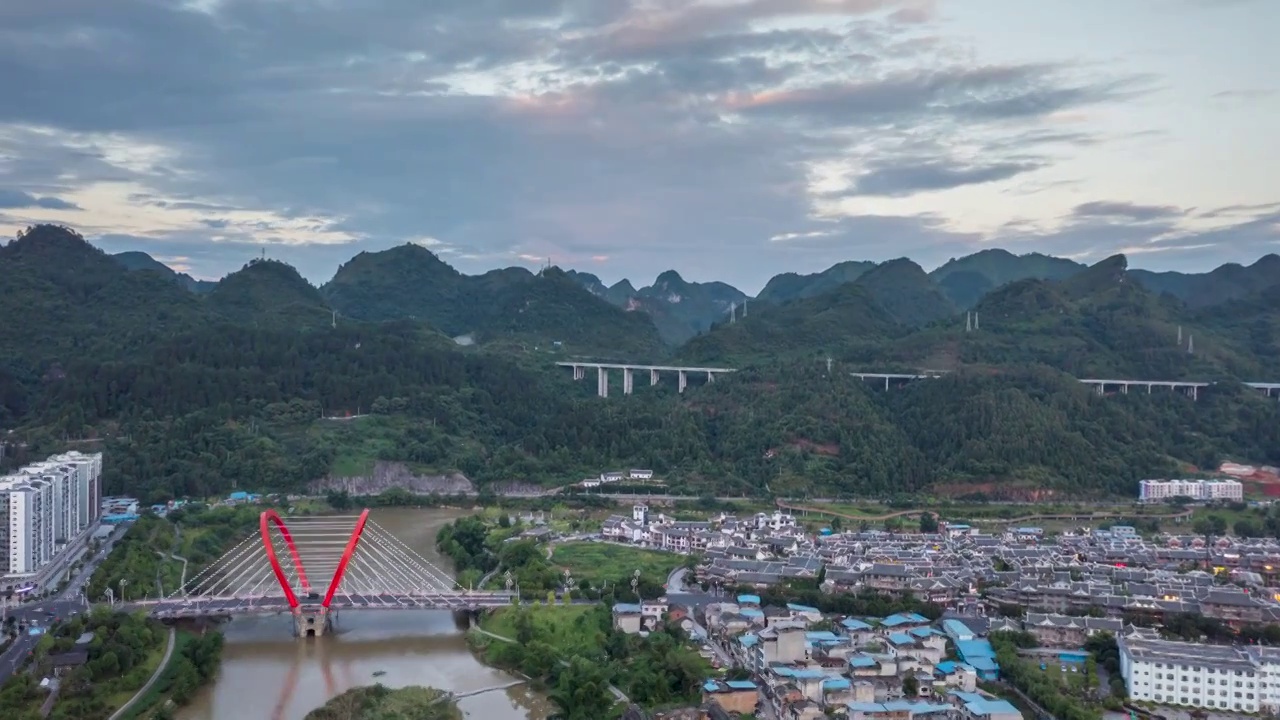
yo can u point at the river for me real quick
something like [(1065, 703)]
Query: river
[(267, 673)]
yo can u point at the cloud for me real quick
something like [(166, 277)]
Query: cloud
[(19, 199), (912, 178), (1122, 211), (628, 135)]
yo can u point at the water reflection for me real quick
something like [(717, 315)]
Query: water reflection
[(266, 673)]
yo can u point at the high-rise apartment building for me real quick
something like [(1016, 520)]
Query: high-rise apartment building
[(46, 508)]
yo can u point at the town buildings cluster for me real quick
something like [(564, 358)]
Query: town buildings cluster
[(1066, 588), (47, 511)]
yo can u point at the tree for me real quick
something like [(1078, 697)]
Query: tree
[(910, 686), (928, 522), (338, 499), (581, 692)]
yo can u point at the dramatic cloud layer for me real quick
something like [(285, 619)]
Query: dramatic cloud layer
[(731, 139)]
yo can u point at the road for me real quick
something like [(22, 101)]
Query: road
[(164, 663), (43, 613)]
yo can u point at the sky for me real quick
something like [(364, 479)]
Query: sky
[(727, 139)]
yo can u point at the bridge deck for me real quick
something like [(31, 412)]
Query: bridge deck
[(629, 366)]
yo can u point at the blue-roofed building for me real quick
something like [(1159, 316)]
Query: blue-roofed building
[(804, 612), (924, 632), (986, 668), (626, 617), (749, 600), (957, 630), (990, 709), (981, 656), (901, 639), (904, 621), (735, 696), (863, 662), (870, 710), (854, 624)]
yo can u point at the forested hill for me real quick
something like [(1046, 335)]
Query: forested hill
[(549, 309), (197, 397), (1097, 322)]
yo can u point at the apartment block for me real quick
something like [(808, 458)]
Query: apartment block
[(46, 508), (1160, 490), (1218, 677)]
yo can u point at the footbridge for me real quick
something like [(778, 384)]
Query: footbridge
[(629, 372), (311, 567)]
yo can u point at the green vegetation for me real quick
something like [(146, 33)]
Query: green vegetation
[(377, 702), (195, 662), (599, 563), (576, 652), (1065, 700), (793, 286), (679, 309), (599, 571), (194, 395), (967, 279), (143, 560), (409, 282), (121, 657), (865, 603)]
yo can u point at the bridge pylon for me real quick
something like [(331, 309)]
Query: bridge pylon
[(312, 621)]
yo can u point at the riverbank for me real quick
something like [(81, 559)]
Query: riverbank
[(132, 703), (192, 661), (567, 648)]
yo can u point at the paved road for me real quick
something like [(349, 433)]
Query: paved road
[(43, 613), (164, 663)]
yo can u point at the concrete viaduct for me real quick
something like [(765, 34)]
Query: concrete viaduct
[(1101, 385), (629, 372)]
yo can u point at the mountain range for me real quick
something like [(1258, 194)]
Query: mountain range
[(514, 305), (198, 389)]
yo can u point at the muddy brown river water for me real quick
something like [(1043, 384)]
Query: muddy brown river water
[(267, 674)]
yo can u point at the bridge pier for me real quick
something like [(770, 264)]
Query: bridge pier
[(653, 378), (579, 372), (628, 380), (602, 382), (311, 622), (683, 380)]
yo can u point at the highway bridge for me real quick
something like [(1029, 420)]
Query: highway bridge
[(1191, 388)]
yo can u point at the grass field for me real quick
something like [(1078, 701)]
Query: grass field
[(602, 561), (567, 628), (1068, 679)]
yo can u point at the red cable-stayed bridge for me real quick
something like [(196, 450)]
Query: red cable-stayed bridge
[(311, 567)]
